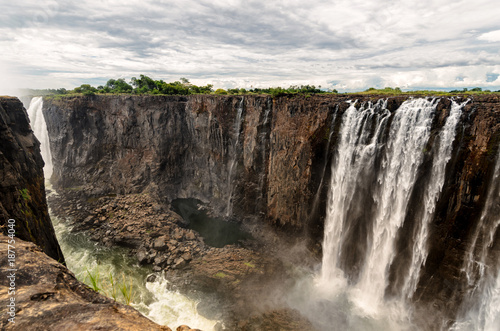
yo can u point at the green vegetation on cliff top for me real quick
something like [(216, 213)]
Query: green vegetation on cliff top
[(145, 85)]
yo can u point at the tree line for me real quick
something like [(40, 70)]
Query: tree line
[(147, 85)]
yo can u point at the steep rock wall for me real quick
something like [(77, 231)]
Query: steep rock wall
[(469, 177), (194, 147), (22, 185)]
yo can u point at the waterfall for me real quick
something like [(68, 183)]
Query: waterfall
[(234, 156), (39, 127), (388, 175), (371, 184), (432, 192), (354, 156), (373, 173), (264, 142)]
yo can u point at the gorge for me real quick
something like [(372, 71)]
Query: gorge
[(385, 208)]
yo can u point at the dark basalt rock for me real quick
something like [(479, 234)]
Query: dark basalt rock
[(22, 187)]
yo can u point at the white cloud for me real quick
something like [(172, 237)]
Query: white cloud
[(241, 43), (492, 36)]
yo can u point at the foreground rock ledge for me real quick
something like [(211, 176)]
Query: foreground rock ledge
[(49, 297)]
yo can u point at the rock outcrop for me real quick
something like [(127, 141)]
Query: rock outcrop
[(22, 187), (232, 282)]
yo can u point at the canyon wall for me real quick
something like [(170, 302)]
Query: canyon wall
[(22, 186), (244, 155), (271, 158)]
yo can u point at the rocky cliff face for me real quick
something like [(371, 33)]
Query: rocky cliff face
[(22, 185), (245, 155), (271, 158), (469, 178)]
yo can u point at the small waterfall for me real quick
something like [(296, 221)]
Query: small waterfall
[(39, 127), (481, 307), (432, 193), (234, 157), (264, 143), (315, 204)]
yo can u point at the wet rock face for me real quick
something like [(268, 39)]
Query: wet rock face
[(48, 297), (22, 187)]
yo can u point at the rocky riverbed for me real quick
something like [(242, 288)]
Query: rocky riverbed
[(241, 284)]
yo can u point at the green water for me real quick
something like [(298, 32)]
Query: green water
[(215, 231)]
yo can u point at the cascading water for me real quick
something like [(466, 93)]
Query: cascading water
[(356, 151), (39, 127), (234, 157), (432, 192), (374, 173), (153, 299)]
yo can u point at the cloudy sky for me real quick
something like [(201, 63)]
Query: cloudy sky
[(344, 44)]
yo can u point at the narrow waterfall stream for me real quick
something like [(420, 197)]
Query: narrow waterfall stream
[(234, 153), (481, 307), (87, 259)]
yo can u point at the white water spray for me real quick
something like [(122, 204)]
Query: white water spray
[(355, 152), (39, 127), (374, 172), (409, 133)]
